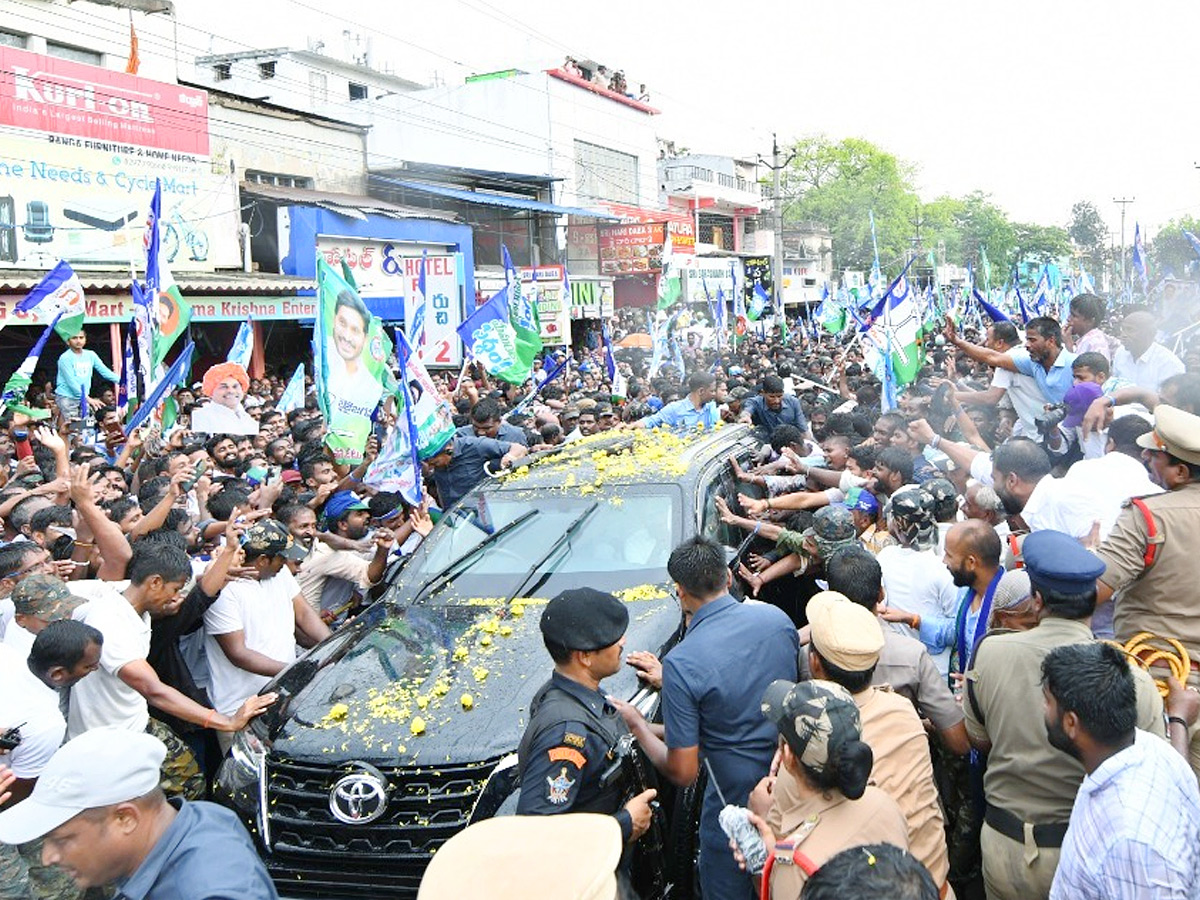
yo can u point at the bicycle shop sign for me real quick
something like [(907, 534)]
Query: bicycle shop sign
[(83, 148)]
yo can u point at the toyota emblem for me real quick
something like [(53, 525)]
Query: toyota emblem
[(358, 798)]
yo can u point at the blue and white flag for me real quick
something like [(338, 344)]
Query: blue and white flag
[(489, 337), (1086, 285), (759, 301), (564, 288), (293, 395), (175, 375), (19, 382), (127, 383), (58, 296), (1139, 258), (1193, 240), (1043, 294), (993, 312), (243, 346)]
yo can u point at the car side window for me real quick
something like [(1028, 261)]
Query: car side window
[(721, 483)]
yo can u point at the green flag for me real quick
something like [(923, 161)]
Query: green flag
[(173, 311)]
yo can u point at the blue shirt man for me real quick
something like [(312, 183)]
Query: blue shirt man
[(1043, 358), (773, 407), (712, 687), (75, 369), (697, 409), (459, 467)]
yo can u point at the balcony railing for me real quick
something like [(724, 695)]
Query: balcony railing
[(687, 174)]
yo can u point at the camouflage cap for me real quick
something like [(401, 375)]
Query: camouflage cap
[(832, 530), (44, 596), (270, 538), (816, 718)]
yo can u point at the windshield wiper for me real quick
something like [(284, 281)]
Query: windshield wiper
[(562, 539), (456, 568)]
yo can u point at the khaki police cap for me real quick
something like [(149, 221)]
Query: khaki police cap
[(844, 633), (573, 856), (1175, 432)]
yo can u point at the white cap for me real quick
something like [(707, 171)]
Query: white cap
[(99, 768)]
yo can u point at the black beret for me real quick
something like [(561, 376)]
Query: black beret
[(584, 619)]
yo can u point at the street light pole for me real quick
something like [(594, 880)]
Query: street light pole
[(1124, 201)]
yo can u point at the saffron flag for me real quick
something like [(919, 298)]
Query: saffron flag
[(134, 62), (58, 297)]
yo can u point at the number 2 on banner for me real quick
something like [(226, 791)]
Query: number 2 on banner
[(443, 352)]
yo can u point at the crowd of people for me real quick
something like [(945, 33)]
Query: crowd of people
[(955, 651)]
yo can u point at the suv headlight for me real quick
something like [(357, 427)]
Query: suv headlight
[(249, 755)]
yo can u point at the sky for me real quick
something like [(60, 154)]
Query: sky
[(1039, 103)]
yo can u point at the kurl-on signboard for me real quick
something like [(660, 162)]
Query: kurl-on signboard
[(82, 146)]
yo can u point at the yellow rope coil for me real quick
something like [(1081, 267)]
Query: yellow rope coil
[(1146, 649)]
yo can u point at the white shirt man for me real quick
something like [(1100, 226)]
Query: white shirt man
[(1150, 370), (27, 702), (264, 612), (103, 699), (918, 582)]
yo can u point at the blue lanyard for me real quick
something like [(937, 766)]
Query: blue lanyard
[(980, 625)]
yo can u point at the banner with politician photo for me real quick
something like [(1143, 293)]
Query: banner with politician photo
[(350, 355)]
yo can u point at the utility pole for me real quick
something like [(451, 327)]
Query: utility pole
[(1124, 201), (777, 196)]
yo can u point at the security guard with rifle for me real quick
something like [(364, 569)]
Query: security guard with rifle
[(575, 748)]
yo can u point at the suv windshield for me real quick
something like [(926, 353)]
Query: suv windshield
[(624, 541)]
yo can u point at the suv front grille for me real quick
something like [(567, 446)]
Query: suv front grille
[(313, 854)]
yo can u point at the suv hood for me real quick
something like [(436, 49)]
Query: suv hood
[(435, 684)]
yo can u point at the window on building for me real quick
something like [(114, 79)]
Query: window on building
[(358, 91), (318, 88), (266, 69), (11, 39), (222, 71), (296, 181), (75, 54), (605, 174)]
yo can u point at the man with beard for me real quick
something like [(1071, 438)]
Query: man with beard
[(1150, 554), (1043, 359), (1029, 786), (222, 450), (335, 581), (1021, 477), (1135, 826)]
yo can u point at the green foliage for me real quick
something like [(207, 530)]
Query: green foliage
[(838, 184), (1171, 251)]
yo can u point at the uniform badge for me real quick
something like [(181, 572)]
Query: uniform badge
[(560, 787), (575, 740)]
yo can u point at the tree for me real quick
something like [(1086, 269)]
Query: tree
[(1040, 244), (1171, 253), (840, 185), (1089, 232)]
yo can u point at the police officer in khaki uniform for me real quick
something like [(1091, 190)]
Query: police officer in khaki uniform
[(1029, 786), (831, 807), (845, 648), (1154, 573)]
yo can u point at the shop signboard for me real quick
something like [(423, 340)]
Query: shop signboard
[(591, 299), (83, 146), (715, 275), (100, 309), (553, 313), (387, 275), (758, 271), (636, 248)]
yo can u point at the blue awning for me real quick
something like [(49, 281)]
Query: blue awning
[(495, 199)]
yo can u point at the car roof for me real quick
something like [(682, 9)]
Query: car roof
[(641, 456)]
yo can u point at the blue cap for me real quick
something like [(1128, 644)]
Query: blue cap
[(1058, 562), (862, 500), (655, 403), (340, 503)]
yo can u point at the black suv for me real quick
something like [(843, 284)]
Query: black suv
[(402, 728)]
